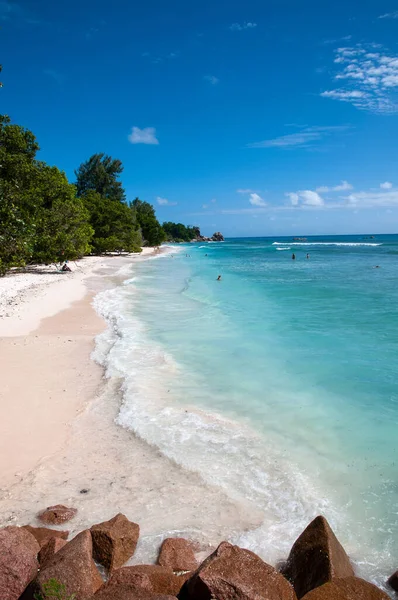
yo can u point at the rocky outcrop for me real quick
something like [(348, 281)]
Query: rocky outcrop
[(232, 573), (177, 554), (73, 567), (55, 515), (349, 588), (393, 581), (44, 534), (49, 549), (18, 561), (149, 578), (216, 237), (316, 558), (114, 541), (318, 568)]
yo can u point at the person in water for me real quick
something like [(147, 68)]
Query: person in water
[(219, 278), (308, 255), (293, 256)]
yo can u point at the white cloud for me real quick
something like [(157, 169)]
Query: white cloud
[(211, 79), (386, 185), (241, 27), (245, 191), (342, 95), (205, 206), (342, 187), (368, 78), (165, 202), (304, 138), (373, 199), (213, 200), (311, 198), (256, 200), (391, 15), (305, 197), (143, 136)]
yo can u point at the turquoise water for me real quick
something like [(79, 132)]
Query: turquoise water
[(277, 383)]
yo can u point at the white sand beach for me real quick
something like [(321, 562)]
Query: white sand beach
[(58, 439)]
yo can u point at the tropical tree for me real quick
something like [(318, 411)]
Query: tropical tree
[(18, 147), (41, 219), (100, 173), (62, 226), (114, 224), (152, 231)]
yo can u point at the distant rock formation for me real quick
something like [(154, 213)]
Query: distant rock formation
[(216, 237)]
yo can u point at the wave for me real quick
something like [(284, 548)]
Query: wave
[(288, 248), (225, 453), (325, 244)]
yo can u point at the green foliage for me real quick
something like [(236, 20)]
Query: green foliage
[(177, 232), (17, 231), (53, 590), (18, 148), (152, 232), (114, 224), (100, 174), (41, 220)]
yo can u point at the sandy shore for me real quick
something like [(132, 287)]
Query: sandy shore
[(58, 439)]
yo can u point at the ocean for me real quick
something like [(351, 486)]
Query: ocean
[(277, 383)]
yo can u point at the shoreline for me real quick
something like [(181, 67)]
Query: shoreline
[(47, 333), (67, 442), (89, 461)]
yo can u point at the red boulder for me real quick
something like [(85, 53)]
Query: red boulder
[(149, 578), (18, 561), (177, 554), (73, 567), (48, 550), (44, 534), (114, 541), (55, 515), (316, 558), (232, 573), (349, 588)]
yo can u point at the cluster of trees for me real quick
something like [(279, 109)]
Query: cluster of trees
[(45, 219), (41, 218), (177, 232)]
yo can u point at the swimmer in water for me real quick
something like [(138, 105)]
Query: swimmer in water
[(293, 256), (308, 255), (219, 278)]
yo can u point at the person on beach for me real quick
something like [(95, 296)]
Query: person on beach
[(65, 267), (219, 278), (293, 256)]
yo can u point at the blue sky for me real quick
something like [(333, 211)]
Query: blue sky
[(253, 118)]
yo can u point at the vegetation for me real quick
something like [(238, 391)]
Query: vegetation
[(152, 232), (45, 219), (177, 232), (41, 220), (54, 590)]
